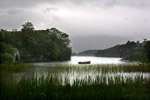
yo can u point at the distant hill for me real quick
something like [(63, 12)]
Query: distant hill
[(128, 51), (87, 53), (110, 52)]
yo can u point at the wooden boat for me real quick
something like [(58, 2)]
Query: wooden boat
[(84, 62)]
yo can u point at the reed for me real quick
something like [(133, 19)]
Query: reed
[(14, 67), (99, 67), (102, 88), (53, 87)]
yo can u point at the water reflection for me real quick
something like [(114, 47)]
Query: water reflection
[(78, 72), (73, 71), (83, 74), (76, 59)]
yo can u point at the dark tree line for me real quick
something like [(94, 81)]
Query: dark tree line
[(133, 51), (38, 45), (130, 50)]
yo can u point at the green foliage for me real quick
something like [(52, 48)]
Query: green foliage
[(51, 89), (37, 45), (90, 92), (4, 36), (129, 51), (145, 52), (110, 52), (5, 57), (7, 50), (27, 27), (14, 67)]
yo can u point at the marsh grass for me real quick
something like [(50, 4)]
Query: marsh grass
[(102, 87), (14, 67), (99, 68)]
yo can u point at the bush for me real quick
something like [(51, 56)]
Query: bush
[(6, 57)]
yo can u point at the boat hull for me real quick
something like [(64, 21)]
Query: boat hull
[(85, 62)]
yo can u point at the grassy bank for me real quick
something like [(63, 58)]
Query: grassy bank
[(100, 89), (13, 67), (53, 87), (8, 69), (6, 74)]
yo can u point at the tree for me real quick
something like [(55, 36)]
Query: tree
[(4, 36), (27, 27), (35, 45), (7, 50), (6, 57), (146, 52)]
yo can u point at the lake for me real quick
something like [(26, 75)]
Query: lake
[(94, 60), (99, 67)]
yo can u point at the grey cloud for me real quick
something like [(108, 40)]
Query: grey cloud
[(104, 3), (14, 11), (145, 20), (111, 3), (5, 4), (13, 18), (128, 3), (50, 9)]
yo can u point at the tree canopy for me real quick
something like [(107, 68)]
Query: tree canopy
[(145, 53), (6, 49), (27, 27), (133, 51), (37, 45)]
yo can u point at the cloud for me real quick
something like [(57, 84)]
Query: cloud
[(14, 11), (50, 9), (103, 3), (145, 20), (6, 4)]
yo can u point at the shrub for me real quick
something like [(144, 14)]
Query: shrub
[(6, 57)]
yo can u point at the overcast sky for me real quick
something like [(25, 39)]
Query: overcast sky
[(122, 20)]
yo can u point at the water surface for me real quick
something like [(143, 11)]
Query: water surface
[(72, 70), (94, 60)]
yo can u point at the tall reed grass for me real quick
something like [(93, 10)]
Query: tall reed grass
[(100, 67), (53, 87)]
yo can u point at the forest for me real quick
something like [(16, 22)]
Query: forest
[(35, 45), (133, 51)]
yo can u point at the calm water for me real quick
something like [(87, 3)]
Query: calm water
[(94, 60), (77, 71)]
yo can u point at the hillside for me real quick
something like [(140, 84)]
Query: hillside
[(87, 53), (110, 52), (129, 51)]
